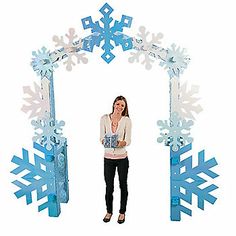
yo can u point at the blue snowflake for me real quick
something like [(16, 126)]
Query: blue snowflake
[(50, 131), (176, 61), (174, 132), (188, 182), (107, 34), (42, 63), (41, 177)]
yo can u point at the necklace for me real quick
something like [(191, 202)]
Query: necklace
[(114, 123)]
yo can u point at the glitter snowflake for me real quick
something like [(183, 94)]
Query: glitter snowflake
[(42, 63), (50, 132), (184, 101), (107, 34), (187, 180), (145, 48), (176, 61), (71, 49), (174, 134), (37, 101)]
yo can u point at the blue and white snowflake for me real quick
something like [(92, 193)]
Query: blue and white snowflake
[(40, 177), (107, 33), (42, 63), (176, 61), (185, 181), (174, 132), (50, 132)]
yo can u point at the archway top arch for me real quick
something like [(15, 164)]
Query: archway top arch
[(108, 36)]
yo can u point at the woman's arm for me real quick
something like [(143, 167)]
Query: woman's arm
[(102, 129), (127, 135)]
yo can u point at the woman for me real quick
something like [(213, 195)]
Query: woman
[(118, 125)]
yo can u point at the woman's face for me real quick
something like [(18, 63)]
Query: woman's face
[(119, 107)]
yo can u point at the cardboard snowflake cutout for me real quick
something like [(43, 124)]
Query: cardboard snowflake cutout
[(48, 175)]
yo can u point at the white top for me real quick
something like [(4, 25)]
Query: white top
[(124, 134)]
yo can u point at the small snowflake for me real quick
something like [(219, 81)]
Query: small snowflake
[(50, 132), (183, 101), (38, 101), (71, 49), (176, 129), (42, 63), (145, 48), (176, 61)]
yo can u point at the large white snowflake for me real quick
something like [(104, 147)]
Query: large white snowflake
[(50, 132), (71, 49), (37, 100), (183, 100), (174, 132), (145, 47)]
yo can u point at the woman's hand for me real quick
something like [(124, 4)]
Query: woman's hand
[(121, 143)]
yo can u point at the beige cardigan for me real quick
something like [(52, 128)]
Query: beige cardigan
[(124, 134)]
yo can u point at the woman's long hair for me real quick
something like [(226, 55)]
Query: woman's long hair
[(126, 111)]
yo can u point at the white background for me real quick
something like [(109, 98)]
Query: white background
[(205, 29)]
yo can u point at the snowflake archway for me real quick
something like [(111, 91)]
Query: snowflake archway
[(48, 175)]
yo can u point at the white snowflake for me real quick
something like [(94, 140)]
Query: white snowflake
[(37, 99), (145, 48), (174, 132), (51, 132), (70, 49), (183, 100)]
